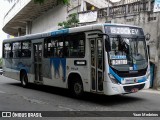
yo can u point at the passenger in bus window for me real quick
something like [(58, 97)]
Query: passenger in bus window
[(65, 52), (60, 52)]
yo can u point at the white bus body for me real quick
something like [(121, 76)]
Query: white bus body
[(87, 54)]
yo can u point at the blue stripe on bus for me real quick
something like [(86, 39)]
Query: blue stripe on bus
[(143, 79), (56, 63), (115, 75), (19, 67), (60, 32)]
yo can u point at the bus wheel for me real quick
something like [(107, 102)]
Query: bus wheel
[(77, 88), (24, 80)]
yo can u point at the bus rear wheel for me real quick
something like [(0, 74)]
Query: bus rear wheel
[(77, 88), (24, 80)]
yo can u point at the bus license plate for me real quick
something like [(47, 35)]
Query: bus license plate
[(134, 90)]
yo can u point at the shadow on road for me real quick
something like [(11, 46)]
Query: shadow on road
[(88, 97)]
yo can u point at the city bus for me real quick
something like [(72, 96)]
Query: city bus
[(107, 59)]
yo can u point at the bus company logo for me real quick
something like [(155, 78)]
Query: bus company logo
[(6, 114), (20, 115), (135, 80)]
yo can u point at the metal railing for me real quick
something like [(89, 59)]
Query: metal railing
[(125, 9)]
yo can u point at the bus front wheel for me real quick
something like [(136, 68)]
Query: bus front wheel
[(77, 88), (24, 80)]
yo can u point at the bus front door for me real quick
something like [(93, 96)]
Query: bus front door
[(96, 50), (38, 63)]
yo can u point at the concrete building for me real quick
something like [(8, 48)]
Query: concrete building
[(26, 17), (122, 2), (139, 13)]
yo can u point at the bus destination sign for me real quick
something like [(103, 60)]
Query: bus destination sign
[(124, 30)]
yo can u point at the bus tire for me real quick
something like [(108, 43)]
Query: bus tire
[(24, 80), (77, 88)]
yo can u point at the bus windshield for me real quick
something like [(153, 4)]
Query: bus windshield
[(126, 54)]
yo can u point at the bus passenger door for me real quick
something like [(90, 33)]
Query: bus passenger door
[(96, 50), (38, 62)]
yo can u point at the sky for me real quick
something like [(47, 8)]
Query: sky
[(4, 7)]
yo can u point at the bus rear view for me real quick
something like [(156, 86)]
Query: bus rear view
[(127, 60)]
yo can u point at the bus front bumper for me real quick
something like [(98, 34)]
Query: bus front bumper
[(115, 89)]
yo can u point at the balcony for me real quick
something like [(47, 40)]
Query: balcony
[(21, 13), (121, 10)]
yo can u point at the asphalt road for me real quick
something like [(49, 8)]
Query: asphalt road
[(13, 97)]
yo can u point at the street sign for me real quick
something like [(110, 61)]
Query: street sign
[(156, 6)]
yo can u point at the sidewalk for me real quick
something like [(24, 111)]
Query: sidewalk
[(152, 91)]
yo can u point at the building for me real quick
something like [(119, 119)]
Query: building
[(122, 2), (26, 17)]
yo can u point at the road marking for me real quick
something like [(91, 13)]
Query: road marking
[(67, 108), (35, 101), (151, 91), (2, 92)]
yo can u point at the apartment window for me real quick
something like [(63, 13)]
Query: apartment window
[(151, 18), (130, 20)]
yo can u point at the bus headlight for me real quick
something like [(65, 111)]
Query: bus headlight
[(113, 79)]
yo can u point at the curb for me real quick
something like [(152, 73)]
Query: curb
[(152, 91)]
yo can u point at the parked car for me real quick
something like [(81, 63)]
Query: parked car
[(1, 71)]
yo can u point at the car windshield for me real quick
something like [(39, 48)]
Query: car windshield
[(127, 53)]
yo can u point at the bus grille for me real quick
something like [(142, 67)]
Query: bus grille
[(129, 88), (127, 74)]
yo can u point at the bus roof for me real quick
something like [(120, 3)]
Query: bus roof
[(64, 31)]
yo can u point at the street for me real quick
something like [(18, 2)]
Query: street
[(13, 97)]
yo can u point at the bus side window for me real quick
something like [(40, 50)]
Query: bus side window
[(48, 51), (45, 48), (53, 47), (65, 49), (57, 46), (75, 45), (26, 49), (16, 49), (7, 53)]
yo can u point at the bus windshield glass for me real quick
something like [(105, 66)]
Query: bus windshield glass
[(127, 52)]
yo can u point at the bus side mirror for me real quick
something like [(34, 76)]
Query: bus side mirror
[(147, 37)]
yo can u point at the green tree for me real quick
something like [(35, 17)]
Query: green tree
[(71, 22)]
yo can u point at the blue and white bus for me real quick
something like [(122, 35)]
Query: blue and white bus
[(105, 59)]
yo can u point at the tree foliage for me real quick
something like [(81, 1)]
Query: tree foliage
[(71, 22)]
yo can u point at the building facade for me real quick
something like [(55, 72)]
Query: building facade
[(26, 17)]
